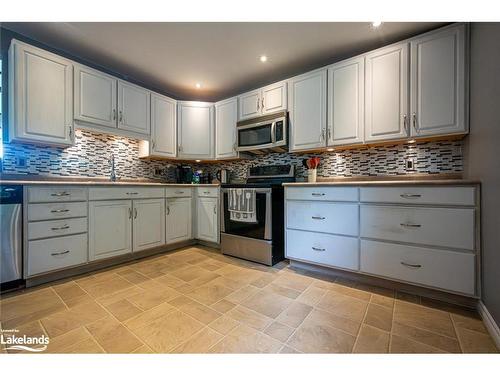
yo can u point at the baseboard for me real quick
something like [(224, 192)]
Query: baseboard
[(489, 322)]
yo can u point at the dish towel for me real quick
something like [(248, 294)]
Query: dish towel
[(241, 205)]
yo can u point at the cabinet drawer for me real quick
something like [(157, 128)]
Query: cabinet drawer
[(55, 228), (177, 192), (443, 269), (207, 192), (448, 227), (56, 194), (56, 253), (325, 249), (49, 211), (322, 193), (108, 193), (450, 195), (334, 218)]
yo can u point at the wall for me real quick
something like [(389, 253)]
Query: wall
[(482, 151)]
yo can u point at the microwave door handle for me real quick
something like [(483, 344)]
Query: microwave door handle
[(273, 133)]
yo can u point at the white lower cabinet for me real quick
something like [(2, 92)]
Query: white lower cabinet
[(110, 229), (206, 219), (148, 223), (179, 219)]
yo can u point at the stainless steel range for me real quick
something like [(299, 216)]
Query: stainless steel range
[(252, 222)]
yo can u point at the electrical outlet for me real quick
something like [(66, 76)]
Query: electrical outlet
[(410, 164), (20, 162), (157, 172)]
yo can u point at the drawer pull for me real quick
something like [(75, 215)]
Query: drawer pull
[(410, 196), (132, 193), (60, 210), (406, 225), (61, 228), (179, 192), (206, 192), (317, 194), (411, 265), (60, 253), (318, 217), (317, 249), (61, 194)]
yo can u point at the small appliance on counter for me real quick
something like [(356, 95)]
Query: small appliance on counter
[(184, 174), (223, 176)]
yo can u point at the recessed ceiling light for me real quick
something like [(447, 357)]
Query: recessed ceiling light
[(263, 58), (376, 23), (198, 85)]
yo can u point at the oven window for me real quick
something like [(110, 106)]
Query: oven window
[(251, 230), (258, 135)]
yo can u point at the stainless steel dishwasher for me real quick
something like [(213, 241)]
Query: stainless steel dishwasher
[(11, 237)]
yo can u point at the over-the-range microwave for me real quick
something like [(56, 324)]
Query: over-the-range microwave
[(263, 134)]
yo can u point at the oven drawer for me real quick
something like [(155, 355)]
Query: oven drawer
[(178, 192), (447, 227), (207, 192), (50, 211), (442, 269), (450, 196), (55, 228), (334, 218), (322, 193), (56, 194), (324, 249), (56, 253)]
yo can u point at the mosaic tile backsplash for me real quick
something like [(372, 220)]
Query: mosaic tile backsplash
[(89, 157)]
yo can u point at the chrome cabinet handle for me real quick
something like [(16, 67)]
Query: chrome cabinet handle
[(132, 193), (60, 253), (179, 192), (129, 213), (410, 196), (61, 194), (60, 210), (206, 192), (114, 114), (70, 132), (168, 210), (317, 194), (215, 210), (405, 124), (323, 132), (414, 115), (318, 217), (262, 103), (153, 145), (317, 248), (135, 213), (329, 133), (406, 225), (121, 116), (411, 265), (258, 104), (66, 226)]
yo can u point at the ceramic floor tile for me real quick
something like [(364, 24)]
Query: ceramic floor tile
[(144, 349), (295, 314), (119, 295), (224, 324), (123, 310), (249, 317), (106, 287), (372, 340), (288, 350), (349, 326), (279, 331), (200, 312), (267, 303), (244, 339), (282, 291), (292, 281), (223, 306), (379, 316), (468, 322), (345, 306), (201, 342), (263, 280), (351, 292), (70, 291), (312, 295), (149, 316), (112, 336), (427, 337), (170, 281), (190, 273), (242, 294), (407, 297), (475, 342), (132, 276), (151, 298), (63, 343), (210, 293), (401, 345), (384, 301)]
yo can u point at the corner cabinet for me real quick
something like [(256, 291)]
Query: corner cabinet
[(307, 104), (195, 130), (226, 117), (40, 96), (386, 99), (269, 99), (438, 83)]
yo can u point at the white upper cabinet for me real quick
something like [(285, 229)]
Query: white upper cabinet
[(346, 83), (269, 99), (438, 83), (134, 109), (226, 116), (40, 96), (307, 104), (195, 130), (163, 126), (386, 106), (95, 97)]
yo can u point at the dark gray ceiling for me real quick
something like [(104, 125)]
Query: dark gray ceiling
[(224, 57)]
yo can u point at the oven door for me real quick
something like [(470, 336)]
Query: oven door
[(261, 230)]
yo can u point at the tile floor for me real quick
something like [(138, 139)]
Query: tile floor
[(197, 301)]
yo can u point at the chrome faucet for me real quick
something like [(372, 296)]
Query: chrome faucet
[(112, 177)]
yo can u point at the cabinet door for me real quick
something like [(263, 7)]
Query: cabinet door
[(307, 97), (149, 223), (95, 97), (134, 109), (438, 83), (249, 105), (179, 219), (226, 116), (41, 96), (386, 106), (195, 127), (110, 228), (206, 217), (163, 126), (346, 83), (274, 98)]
